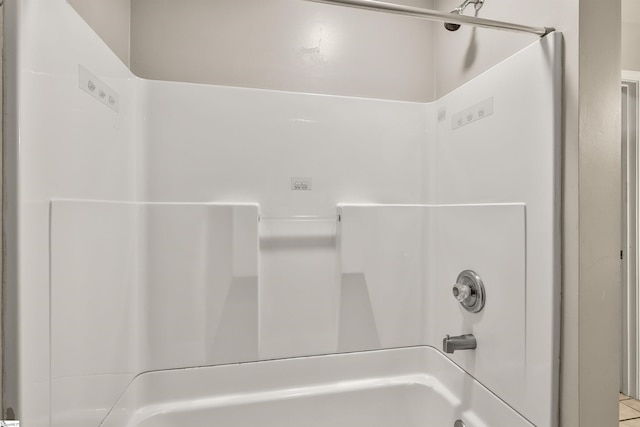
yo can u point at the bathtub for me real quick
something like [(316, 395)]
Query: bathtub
[(407, 387)]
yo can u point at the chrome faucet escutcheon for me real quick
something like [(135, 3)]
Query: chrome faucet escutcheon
[(469, 291), (460, 342)]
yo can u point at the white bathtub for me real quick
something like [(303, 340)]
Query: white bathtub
[(407, 387)]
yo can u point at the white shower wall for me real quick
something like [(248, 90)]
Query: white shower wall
[(167, 234), (214, 143), (63, 144)]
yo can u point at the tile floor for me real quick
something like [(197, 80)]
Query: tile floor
[(629, 411)]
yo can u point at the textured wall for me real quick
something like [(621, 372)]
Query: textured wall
[(1, 176), (276, 44), (630, 35), (111, 20), (599, 213), (284, 44)]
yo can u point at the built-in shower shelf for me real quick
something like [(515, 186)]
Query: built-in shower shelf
[(299, 218), (299, 227)]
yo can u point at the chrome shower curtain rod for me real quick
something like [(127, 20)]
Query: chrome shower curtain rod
[(434, 15)]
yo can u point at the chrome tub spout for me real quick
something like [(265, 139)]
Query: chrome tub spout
[(461, 342)]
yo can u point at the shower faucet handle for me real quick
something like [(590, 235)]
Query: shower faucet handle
[(469, 291), (461, 291)]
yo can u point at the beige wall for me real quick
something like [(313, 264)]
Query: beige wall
[(284, 44), (279, 44), (599, 213), (1, 186), (111, 20), (631, 35)]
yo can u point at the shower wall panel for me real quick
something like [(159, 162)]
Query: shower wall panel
[(381, 268), (199, 285), (63, 143), (209, 143), (227, 144), (407, 279), (299, 294), (500, 142), (95, 329), (138, 287), (488, 239)]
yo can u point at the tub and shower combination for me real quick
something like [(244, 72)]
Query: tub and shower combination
[(198, 255), (412, 387)]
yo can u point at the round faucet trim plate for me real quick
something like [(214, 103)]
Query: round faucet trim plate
[(469, 291)]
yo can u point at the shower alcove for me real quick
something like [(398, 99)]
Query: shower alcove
[(201, 254)]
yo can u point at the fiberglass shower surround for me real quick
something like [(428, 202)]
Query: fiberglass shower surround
[(295, 252)]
